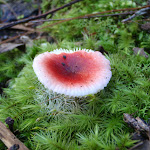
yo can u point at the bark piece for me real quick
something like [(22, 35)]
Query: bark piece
[(142, 133), (9, 139)]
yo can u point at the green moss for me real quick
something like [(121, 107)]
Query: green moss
[(94, 122), (47, 120), (9, 66), (12, 62)]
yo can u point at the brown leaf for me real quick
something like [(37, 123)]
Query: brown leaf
[(24, 28), (9, 46)]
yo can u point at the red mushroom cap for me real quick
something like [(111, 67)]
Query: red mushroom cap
[(73, 73)]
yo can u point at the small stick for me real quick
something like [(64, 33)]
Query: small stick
[(131, 121), (136, 123), (138, 13), (9, 139)]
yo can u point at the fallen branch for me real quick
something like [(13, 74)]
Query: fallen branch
[(9, 139), (39, 16)]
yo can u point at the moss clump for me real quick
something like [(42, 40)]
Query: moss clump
[(13, 61), (9, 66), (95, 122), (50, 121)]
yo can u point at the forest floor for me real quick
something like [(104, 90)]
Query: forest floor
[(116, 118)]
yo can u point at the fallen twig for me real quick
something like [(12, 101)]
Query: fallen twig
[(9, 139), (139, 20), (136, 123), (142, 132), (109, 15), (138, 13), (39, 16)]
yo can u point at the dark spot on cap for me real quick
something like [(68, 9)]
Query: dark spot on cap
[(64, 56), (63, 64)]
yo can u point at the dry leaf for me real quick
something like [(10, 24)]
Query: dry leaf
[(9, 46)]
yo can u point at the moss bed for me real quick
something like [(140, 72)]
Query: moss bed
[(49, 121)]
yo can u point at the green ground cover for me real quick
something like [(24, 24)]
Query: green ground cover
[(48, 121)]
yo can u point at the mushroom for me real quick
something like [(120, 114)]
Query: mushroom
[(73, 72)]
